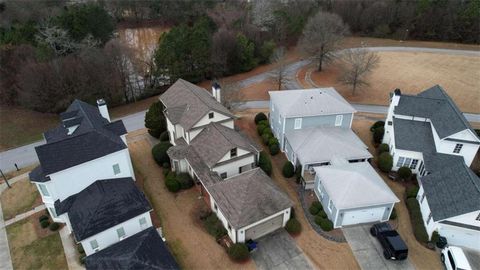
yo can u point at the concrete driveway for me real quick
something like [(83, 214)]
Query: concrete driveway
[(369, 252), (279, 251)]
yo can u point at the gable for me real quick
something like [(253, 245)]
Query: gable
[(466, 135), (240, 152), (205, 119)]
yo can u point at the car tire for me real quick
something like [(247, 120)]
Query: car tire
[(442, 258), (385, 254), (373, 231)]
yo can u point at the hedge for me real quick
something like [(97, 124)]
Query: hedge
[(416, 217), (313, 210), (214, 226), (184, 180), (263, 122), (266, 137), (274, 149), (317, 204), (435, 237), (172, 185), (288, 170), (404, 173), (260, 129), (383, 148), (324, 223), (265, 163), (322, 214), (293, 226), (164, 137), (239, 252), (377, 125), (273, 141), (385, 162), (44, 223), (54, 226), (378, 134), (42, 217), (159, 153), (412, 192), (259, 117)]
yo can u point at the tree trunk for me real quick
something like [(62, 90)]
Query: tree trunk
[(320, 60)]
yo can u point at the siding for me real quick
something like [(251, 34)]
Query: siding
[(319, 121)]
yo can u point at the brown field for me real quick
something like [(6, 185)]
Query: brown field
[(22, 197), (412, 73)]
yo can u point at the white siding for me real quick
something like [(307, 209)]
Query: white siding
[(231, 168), (195, 132), (240, 152), (110, 237), (468, 150), (216, 118)]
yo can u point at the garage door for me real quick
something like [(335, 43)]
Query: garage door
[(264, 228), (363, 216), (461, 237)]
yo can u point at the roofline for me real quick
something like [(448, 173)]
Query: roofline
[(320, 114), (360, 157), (365, 205)]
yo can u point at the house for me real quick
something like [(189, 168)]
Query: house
[(144, 250), (319, 146), (353, 193), (299, 109), (189, 108), (428, 133), (223, 163), (104, 213), (85, 147)]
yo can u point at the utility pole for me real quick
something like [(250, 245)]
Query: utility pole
[(5, 178)]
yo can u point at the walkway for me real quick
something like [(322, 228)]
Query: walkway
[(70, 250), (25, 215)]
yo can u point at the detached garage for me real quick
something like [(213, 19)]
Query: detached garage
[(353, 193), (250, 205)]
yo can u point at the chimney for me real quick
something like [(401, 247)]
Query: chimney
[(216, 91), (397, 93), (102, 108)]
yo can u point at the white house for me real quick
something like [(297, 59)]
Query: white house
[(85, 147), (300, 109), (429, 134), (353, 193), (222, 162), (106, 212)]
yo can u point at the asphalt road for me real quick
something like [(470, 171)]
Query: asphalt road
[(25, 155)]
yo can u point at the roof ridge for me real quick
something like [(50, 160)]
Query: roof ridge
[(193, 91), (80, 103)]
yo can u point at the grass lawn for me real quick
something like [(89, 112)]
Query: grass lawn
[(23, 196), (31, 248)]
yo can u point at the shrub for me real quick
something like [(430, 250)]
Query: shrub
[(159, 153), (273, 141), (184, 180), (265, 137), (260, 129), (293, 226), (377, 125), (80, 249), (318, 220), (412, 192), (263, 122), (394, 214), (54, 226), (385, 162), (435, 237), (172, 185), (42, 218), (313, 210), (239, 252), (322, 214), (82, 259), (383, 148), (260, 117), (326, 224), (317, 204), (170, 176), (416, 217), (404, 173), (288, 170), (166, 165), (214, 227), (378, 134), (155, 120), (268, 131), (164, 137), (44, 223), (274, 149), (264, 163)]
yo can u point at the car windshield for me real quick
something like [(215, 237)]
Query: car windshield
[(397, 243)]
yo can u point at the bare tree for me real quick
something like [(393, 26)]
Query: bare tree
[(231, 95), (321, 36), (280, 71), (356, 65)]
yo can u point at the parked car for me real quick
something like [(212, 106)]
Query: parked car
[(454, 258), (394, 248)]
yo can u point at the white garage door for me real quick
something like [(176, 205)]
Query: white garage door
[(461, 237), (363, 216), (264, 228)]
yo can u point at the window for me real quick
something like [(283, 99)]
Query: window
[(121, 233), (429, 218), (478, 217), (233, 152), (413, 166), (390, 123), (215, 206), (330, 205), (116, 169), (239, 169), (298, 123), (421, 168), (52, 212), (400, 161), (450, 258), (223, 175), (210, 115), (229, 227), (458, 148), (320, 189), (338, 120), (143, 222), (43, 190), (423, 197), (94, 244), (407, 162)]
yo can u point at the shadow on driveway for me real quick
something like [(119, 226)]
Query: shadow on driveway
[(279, 251)]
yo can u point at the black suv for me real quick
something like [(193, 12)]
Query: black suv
[(393, 246)]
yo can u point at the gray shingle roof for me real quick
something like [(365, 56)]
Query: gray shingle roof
[(413, 136), (435, 104), (37, 175), (453, 191), (248, 198), (94, 137), (186, 103), (143, 250), (102, 205)]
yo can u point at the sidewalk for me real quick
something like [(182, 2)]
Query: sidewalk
[(25, 215), (69, 248), (5, 259)]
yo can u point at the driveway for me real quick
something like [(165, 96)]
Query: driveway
[(369, 252), (279, 251)]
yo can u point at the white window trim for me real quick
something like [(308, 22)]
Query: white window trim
[(298, 123), (96, 244), (119, 170), (338, 120), (53, 212), (319, 188), (42, 191), (330, 206), (124, 233)]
